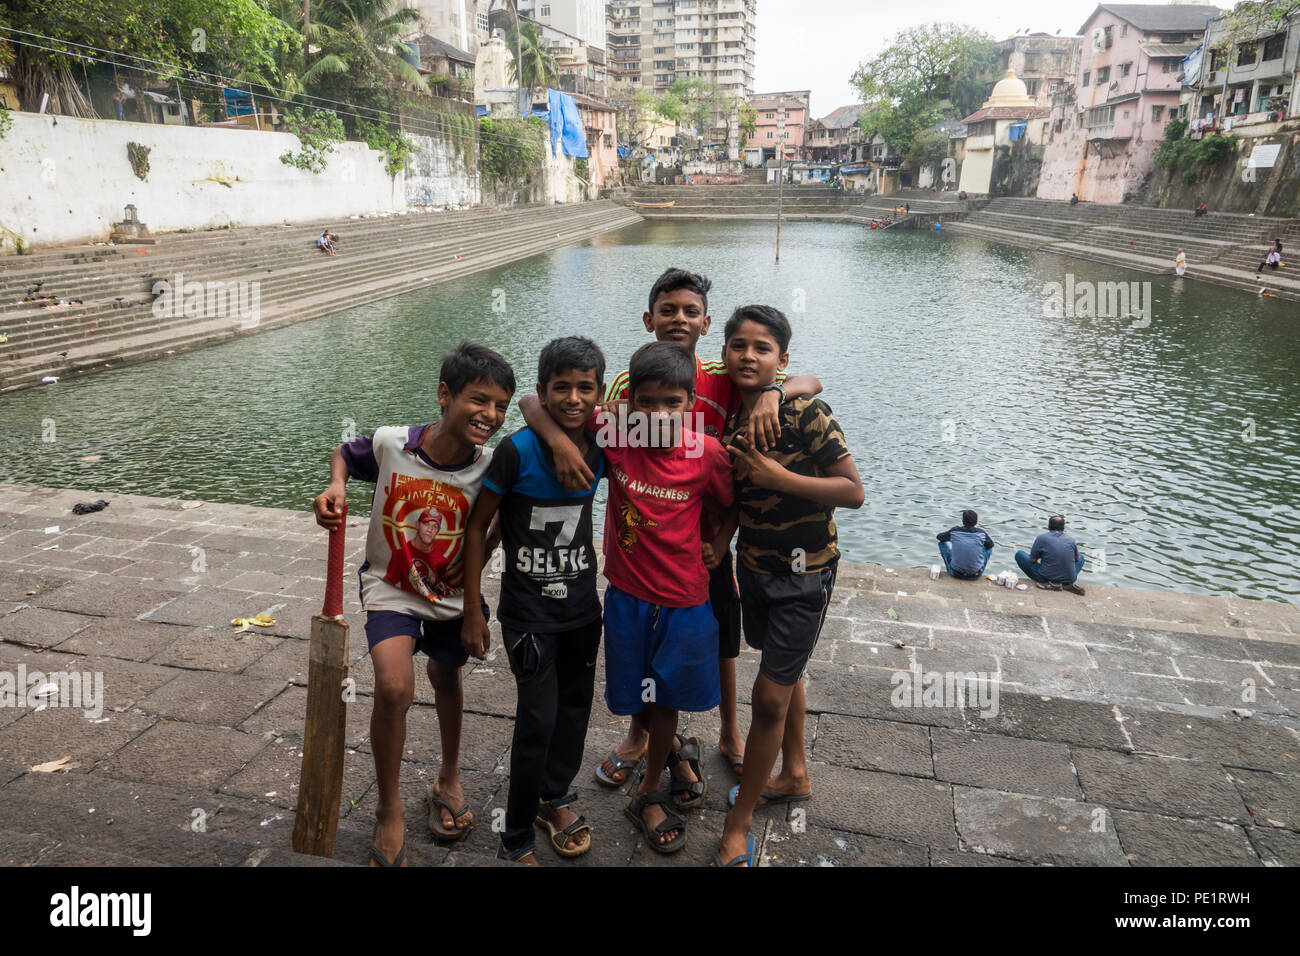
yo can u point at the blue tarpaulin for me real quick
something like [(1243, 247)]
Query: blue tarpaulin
[(624, 152), (238, 102), (1015, 131), (566, 125)]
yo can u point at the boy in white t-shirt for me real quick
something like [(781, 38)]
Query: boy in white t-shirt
[(426, 479)]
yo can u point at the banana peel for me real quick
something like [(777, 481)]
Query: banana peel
[(261, 620)]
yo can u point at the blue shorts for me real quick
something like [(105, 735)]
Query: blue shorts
[(438, 639), (661, 655)]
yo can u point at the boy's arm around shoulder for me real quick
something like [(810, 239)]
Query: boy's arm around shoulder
[(765, 421), (570, 469)]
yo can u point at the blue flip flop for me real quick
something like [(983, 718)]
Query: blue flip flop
[(769, 799), (747, 858)]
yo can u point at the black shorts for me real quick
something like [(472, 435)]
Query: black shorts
[(783, 616), (440, 640), (726, 608)]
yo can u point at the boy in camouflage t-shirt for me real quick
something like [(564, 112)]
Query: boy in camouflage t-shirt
[(786, 499)]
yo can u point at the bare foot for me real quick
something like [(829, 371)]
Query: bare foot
[(735, 842), (732, 747), (449, 789)]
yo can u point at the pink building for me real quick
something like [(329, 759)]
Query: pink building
[(767, 106), (1105, 127), (599, 120)]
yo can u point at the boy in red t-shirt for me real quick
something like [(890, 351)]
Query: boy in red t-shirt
[(679, 313), (661, 639)]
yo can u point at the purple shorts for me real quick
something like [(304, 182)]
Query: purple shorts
[(440, 640)]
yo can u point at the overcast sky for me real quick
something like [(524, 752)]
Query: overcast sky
[(817, 44)]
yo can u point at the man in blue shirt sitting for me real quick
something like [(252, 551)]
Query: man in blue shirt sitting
[(966, 549), (1054, 562)]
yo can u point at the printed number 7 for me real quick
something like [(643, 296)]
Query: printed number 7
[(568, 515)]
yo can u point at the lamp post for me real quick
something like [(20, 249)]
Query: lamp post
[(780, 170)]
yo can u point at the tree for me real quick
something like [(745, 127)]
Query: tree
[(1254, 19), (927, 148), (219, 36), (539, 67), (925, 74), (366, 37), (748, 118)]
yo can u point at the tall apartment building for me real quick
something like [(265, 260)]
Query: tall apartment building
[(654, 42), (462, 23), (584, 19), (1044, 63)]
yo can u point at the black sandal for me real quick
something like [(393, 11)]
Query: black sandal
[(382, 860), (687, 794), (672, 821)]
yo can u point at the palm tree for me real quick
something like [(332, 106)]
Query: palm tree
[(291, 71), (366, 35), (539, 67)]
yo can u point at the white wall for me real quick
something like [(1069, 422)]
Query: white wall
[(66, 180), (437, 176)]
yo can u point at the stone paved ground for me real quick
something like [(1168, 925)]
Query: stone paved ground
[(1114, 741)]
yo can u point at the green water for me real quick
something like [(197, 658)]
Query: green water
[(952, 386)]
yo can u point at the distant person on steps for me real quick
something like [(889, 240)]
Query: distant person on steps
[(965, 550), (1180, 262)]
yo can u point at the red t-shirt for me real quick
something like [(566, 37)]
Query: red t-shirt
[(715, 396), (652, 519)]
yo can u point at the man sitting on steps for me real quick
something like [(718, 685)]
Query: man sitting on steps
[(1054, 562), (966, 550)]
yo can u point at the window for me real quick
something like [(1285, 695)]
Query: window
[(1086, 74), (1217, 59), (1247, 54), (1103, 74), (1274, 46), (1169, 64), (1157, 114), (545, 11), (771, 116), (1124, 69), (769, 134), (1123, 31), (482, 20), (1100, 116)]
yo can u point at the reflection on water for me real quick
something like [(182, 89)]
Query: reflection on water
[(954, 388)]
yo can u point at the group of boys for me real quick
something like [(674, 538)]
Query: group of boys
[(692, 452)]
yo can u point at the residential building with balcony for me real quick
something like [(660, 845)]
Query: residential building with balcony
[(1245, 88), (461, 23), (1044, 63), (769, 127), (1106, 126), (833, 137)]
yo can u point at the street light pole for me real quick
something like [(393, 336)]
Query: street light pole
[(780, 170)]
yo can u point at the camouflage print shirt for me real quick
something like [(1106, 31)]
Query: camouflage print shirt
[(782, 533)]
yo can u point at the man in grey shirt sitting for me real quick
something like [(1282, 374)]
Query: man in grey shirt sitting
[(1054, 562), (965, 550)]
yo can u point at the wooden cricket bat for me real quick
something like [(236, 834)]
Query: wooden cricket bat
[(320, 785)]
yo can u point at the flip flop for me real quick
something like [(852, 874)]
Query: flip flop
[(769, 798), (559, 837), (436, 803), (737, 763), (747, 857), (632, 766), (379, 857)]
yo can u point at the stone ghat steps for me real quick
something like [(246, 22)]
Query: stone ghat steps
[(48, 823), (382, 274), (1131, 259), (127, 275), (57, 330)]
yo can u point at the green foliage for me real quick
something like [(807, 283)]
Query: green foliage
[(138, 156), (461, 130), (1175, 129), (392, 143), (1254, 19), (539, 67), (317, 131), (927, 73), (928, 148), (511, 150), (1194, 155), (6, 121), (582, 170), (748, 117)]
